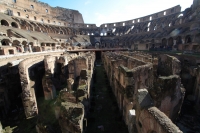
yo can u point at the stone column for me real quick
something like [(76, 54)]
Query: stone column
[(174, 44), (48, 86), (30, 48), (29, 99), (43, 47), (22, 48), (39, 49), (183, 41)]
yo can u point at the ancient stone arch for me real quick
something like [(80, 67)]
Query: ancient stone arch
[(14, 24), (50, 30), (188, 39), (28, 93), (164, 42), (6, 42), (170, 42), (61, 32), (17, 44), (36, 27), (4, 22), (42, 27)]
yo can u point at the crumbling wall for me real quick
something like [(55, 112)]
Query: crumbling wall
[(73, 101), (167, 91), (168, 65), (138, 73), (149, 118), (168, 95), (71, 117), (126, 80), (28, 92), (47, 83), (76, 65)]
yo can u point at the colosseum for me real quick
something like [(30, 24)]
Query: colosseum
[(61, 75)]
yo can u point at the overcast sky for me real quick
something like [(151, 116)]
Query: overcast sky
[(108, 11)]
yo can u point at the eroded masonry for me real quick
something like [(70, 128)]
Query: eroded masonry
[(61, 75)]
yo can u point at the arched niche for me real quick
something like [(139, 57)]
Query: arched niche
[(61, 32), (178, 40), (4, 22), (5, 42), (14, 24), (16, 43), (170, 42), (164, 42), (188, 39)]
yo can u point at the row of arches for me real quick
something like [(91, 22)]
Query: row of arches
[(38, 27), (5, 23), (25, 46), (152, 25), (162, 43)]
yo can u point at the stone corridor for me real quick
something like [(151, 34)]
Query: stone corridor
[(104, 113)]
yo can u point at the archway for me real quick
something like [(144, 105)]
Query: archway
[(36, 27), (25, 46), (23, 24), (4, 22), (188, 39), (16, 44), (61, 32), (29, 26), (178, 40), (170, 42), (15, 25), (42, 44), (164, 43), (50, 30), (24, 42), (5, 42)]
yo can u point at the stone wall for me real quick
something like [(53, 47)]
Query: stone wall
[(73, 102), (129, 73), (150, 119), (167, 92), (28, 92), (41, 10), (48, 86)]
